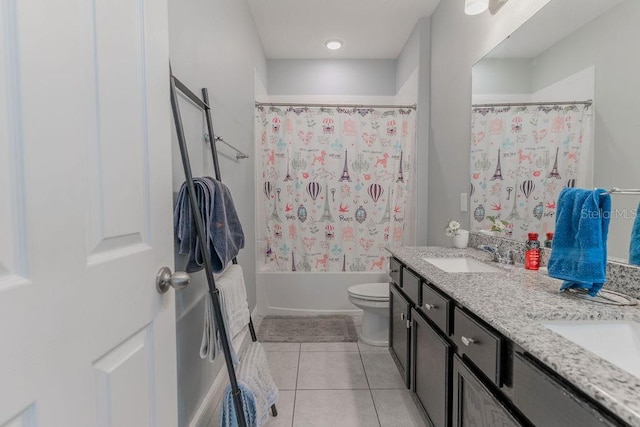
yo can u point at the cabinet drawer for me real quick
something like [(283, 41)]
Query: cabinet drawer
[(395, 271), (545, 402), (411, 286), (481, 345), (437, 308)]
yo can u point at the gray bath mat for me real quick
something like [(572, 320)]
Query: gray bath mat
[(333, 328)]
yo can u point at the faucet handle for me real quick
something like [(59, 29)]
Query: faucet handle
[(492, 250)]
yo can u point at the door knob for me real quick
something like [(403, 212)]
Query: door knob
[(165, 280)]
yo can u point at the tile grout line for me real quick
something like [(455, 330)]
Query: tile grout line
[(295, 389), (369, 385)]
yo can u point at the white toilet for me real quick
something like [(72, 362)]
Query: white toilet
[(373, 299)]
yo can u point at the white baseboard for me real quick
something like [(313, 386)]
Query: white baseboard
[(206, 415)]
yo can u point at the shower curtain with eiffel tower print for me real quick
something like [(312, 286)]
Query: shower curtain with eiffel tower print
[(521, 158), (335, 183)]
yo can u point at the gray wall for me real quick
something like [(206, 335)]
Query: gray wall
[(361, 77), (416, 54), (607, 43), (200, 32), (502, 76), (457, 42)]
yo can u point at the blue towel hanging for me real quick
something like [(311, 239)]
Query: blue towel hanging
[(221, 224), (634, 245), (579, 254)]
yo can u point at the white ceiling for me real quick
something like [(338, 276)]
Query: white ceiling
[(370, 29)]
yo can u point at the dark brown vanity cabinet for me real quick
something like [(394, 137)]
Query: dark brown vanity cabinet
[(545, 401), (464, 373), (399, 331), (474, 404), (431, 369)]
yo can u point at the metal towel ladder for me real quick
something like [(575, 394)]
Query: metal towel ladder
[(213, 291)]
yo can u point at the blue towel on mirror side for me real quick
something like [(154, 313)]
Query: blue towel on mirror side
[(258, 391), (579, 252), (634, 245), (221, 224)]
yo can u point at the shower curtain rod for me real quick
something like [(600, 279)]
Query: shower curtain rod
[(524, 104), (293, 104)]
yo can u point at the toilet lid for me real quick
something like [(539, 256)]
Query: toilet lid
[(371, 291)]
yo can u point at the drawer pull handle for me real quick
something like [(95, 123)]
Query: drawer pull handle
[(402, 316), (429, 306), (467, 341)]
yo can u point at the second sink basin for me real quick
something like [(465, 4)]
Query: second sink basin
[(461, 265), (617, 341)]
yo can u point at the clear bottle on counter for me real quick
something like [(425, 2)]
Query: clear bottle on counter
[(532, 252)]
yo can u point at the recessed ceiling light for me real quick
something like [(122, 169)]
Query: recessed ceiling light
[(333, 44)]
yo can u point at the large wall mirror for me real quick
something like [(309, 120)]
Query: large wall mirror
[(569, 82)]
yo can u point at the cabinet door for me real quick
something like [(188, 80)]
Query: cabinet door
[(474, 404), (547, 402), (431, 370), (399, 331)]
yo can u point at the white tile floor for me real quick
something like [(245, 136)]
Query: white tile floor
[(339, 384)]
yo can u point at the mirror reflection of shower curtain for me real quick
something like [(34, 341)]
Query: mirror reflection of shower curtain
[(335, 184), (521, 158)]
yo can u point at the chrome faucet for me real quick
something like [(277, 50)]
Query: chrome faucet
[(505, 257)]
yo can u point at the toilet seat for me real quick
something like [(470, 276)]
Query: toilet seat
[(370, 291)]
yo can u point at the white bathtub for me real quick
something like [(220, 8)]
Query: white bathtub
[(302, 293)]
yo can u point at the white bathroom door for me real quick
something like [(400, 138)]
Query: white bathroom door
[(85, 215)]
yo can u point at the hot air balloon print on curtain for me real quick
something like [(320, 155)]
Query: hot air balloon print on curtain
[(314, 189), (375, 191), (527, 188), (267, 189)]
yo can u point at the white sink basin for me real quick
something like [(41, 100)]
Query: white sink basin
[(461, 265), (617, 341)]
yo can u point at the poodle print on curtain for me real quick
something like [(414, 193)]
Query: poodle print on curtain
[(521, 158), (335, 181)]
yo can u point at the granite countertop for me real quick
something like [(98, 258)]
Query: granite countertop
[(516, 302)]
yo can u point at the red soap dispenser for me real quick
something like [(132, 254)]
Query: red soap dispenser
[(532, 253)]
